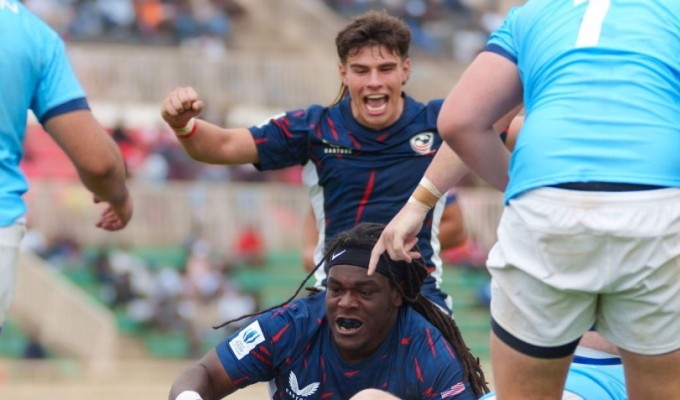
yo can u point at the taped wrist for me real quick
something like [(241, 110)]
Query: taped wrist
[(426, 194)]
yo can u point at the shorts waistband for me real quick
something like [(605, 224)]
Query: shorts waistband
[(606, 186)]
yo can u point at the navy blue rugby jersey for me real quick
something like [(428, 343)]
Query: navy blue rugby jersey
[(355, 174), (292, 348)]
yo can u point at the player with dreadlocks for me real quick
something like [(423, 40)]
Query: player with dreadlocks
[(362, 332)]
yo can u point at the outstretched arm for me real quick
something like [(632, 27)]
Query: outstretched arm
[(400, 235), (205, 380), (470, 125), (202, 140), (98, 162)]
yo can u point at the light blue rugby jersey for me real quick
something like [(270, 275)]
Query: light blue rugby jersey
[(35, 74), (601, 89)]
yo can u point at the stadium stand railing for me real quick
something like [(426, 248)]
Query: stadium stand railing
[(62, 317), (165, 215)]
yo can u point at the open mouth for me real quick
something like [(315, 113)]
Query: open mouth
[(376, 102), (348, 325)]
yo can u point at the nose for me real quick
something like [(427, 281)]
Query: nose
[(374, 78), (347, 300)]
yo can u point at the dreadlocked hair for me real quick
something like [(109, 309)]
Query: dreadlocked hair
[(408, 281)]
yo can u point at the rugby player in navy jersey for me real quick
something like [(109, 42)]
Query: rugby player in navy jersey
[(363, 155), (452, 231), (362, 332)]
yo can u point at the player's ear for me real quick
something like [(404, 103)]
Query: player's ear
[(406, 70), (342, 71)]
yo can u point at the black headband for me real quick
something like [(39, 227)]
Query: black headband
[(361, 257)]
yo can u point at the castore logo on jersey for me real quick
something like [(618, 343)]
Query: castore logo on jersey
[(300, 394)]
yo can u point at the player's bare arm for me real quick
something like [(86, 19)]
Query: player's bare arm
[(202, 140), (205, 380), (98, 162), (467, 122)]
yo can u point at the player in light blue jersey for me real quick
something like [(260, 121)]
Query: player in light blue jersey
[(362, 332), (592, 217), (36, 75)]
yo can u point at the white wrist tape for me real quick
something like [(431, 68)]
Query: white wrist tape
[(187, 129), (418, 203), (188, 395), (430, 187)]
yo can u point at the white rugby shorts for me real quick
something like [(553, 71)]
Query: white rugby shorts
[(10, 239), (567, 259)]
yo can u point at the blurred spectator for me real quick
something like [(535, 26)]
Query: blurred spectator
[(62, 251), (209, 295), (34, 350), (149, 15), (249, 247), (160, 22), (449, 28)]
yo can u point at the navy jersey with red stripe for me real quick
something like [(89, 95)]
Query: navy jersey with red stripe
[(292, 348), (355, 174)]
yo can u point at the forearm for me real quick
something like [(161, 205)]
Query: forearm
[(95, 156), (108, 186), (445, 170), (484, 153), (194, 378), (212, 144)]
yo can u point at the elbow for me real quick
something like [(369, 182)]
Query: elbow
[(455, 128), (451, 127), (101, 168)]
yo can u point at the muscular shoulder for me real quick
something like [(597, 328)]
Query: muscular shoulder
[(20, 21)]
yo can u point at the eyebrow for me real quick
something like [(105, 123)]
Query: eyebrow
[(360, 283), (384, 64)]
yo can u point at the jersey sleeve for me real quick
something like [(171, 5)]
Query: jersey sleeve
[(283, 141), (58, 90), (433, 109), (253, 353), (502, 41)]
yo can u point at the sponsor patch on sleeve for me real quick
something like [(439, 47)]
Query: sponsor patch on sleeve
[(246, 340)]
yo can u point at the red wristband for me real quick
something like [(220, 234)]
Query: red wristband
[(188, 131)]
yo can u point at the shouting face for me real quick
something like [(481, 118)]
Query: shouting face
[(361, 310), (374, 77)]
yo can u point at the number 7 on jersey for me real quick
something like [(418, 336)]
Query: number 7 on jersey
[(591, 25)]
